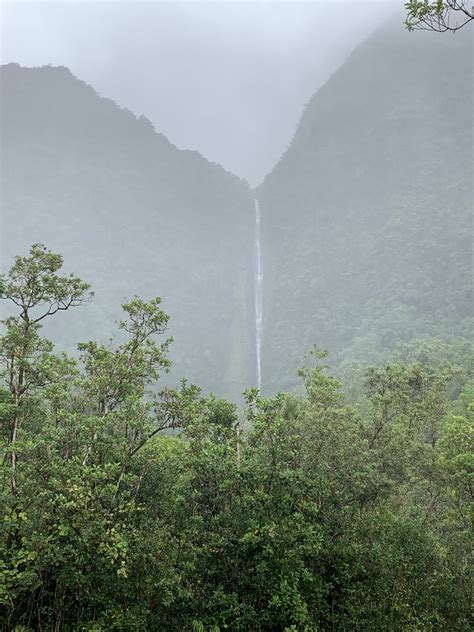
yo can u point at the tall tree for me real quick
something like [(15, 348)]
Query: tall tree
[(34, 286)]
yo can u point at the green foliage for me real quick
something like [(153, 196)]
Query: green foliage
[(378, 248), (316, 515), (440, 15)]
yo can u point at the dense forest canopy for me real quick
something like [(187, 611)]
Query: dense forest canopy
[(317, 513)]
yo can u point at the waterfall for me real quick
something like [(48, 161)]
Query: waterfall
[(258, 281)]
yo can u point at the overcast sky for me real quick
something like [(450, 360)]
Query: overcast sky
[(229, 79)]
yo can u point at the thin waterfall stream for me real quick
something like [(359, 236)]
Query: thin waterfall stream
[(258, 285)]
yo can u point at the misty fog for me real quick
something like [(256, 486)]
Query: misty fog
[(226, 78), (236, 316)]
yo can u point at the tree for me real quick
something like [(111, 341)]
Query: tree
[(320, 515), (34, 287), (71, 443), (440, 16)]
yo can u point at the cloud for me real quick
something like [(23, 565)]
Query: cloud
[(227, 78)]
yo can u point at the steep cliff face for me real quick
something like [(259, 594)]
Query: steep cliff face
[(132, 214), (365, 221), (367, 215)]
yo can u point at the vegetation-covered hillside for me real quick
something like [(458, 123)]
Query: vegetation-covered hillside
[(367, 216), (366, 219), (133, 214)]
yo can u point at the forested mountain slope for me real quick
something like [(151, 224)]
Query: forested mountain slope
[(131, 214), (366, 219), (367, 215)]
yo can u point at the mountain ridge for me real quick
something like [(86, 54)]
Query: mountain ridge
[(85, 177), (372, 194)]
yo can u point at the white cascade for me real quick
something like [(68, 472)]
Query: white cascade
[(258, 285)]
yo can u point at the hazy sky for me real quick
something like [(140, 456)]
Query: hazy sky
[(227, 78)]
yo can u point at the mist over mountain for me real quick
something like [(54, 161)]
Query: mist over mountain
[(227, 78), (320, 498), (367, 216), (365, 219), (131, 214)]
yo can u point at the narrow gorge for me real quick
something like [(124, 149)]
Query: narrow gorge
[(356, 255)]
